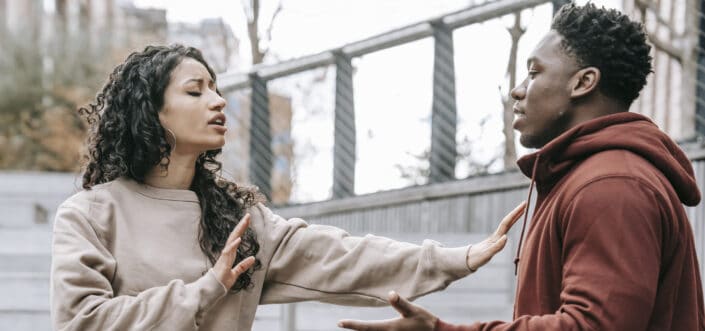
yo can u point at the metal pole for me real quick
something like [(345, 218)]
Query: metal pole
[(260, 137), (443, 117), (344, 145), (288, 317), (700, 85)]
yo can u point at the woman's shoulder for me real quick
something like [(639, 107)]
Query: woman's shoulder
[(95, 201), (86, 196), (264, 219), (92, 210)]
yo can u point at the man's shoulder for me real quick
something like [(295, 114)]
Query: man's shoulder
[(616, 163), (613, 166)]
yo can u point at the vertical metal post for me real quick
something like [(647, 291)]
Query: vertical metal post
[(261, 154), (288, 317), (443, 116), (345, 136), (700, 76), (3, 18)]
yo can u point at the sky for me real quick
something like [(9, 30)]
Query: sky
[(393, 87)]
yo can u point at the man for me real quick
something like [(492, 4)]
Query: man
[(610, 246)]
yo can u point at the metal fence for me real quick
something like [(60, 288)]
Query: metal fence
[(443, 151), (674, 96)]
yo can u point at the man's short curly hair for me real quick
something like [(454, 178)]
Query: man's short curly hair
[(611, 42)]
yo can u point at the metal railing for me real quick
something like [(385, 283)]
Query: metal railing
[(443, 120)]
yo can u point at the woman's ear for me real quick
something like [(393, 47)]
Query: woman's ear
[(585, 81)]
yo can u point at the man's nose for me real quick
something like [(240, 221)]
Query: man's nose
[(518, 92)]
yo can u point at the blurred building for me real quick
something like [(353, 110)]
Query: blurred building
[(55, 56), (64, 50), (669, 97), (213, 37)]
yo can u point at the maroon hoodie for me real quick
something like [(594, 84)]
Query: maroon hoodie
[(609, 246)]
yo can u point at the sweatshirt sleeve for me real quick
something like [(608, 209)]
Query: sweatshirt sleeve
[(612, 232), (325, 263), (82, 296)]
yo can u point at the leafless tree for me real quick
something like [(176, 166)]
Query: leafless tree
[(259, 42), (510, 154)]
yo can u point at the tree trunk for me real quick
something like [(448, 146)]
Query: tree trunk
[(253, 34), (510, 154)]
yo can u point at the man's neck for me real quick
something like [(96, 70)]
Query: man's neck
[(595, 107)]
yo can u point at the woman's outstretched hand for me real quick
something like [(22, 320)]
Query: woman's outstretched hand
[(223, 268), (413, 318), (481, 253)]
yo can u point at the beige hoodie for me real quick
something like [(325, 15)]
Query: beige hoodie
[(125, 256)]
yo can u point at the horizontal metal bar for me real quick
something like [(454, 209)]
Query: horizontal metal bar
[(295, 66), (476, 185), (488, 11), (228, 82), (388, 40), (475, 14)]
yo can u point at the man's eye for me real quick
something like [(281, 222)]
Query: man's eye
[(194, 94)]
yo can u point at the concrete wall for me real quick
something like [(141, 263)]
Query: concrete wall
[(28, 201)]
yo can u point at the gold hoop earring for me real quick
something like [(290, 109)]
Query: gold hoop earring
[(173, 148)]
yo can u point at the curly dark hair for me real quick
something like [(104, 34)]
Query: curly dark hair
[(126, 139), (611, 42)]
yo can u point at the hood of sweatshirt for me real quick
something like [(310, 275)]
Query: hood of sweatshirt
[(626, 131)]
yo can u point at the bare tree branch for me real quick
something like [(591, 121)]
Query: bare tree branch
[(253, 33), (247, 9), (252, 11), (271, 25)]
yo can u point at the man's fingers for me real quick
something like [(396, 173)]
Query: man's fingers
[(365, 325), (509, 220), (404, 307), (243, 266)]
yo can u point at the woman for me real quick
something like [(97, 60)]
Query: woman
[(157, 241)]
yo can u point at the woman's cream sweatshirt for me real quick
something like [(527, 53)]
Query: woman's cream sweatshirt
[(125, 256)]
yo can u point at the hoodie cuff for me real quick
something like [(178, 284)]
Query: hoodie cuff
[(443, 326)]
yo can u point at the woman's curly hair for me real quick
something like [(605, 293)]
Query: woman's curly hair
[(611, 42), (126, 139)]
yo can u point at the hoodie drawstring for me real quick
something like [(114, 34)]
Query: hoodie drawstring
[(526, 214)]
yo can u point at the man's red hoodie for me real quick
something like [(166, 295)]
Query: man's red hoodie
[(609, 246)]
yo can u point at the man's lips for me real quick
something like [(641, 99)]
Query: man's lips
[(519, 116)]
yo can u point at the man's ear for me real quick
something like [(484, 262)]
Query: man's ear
[(584, 81)]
